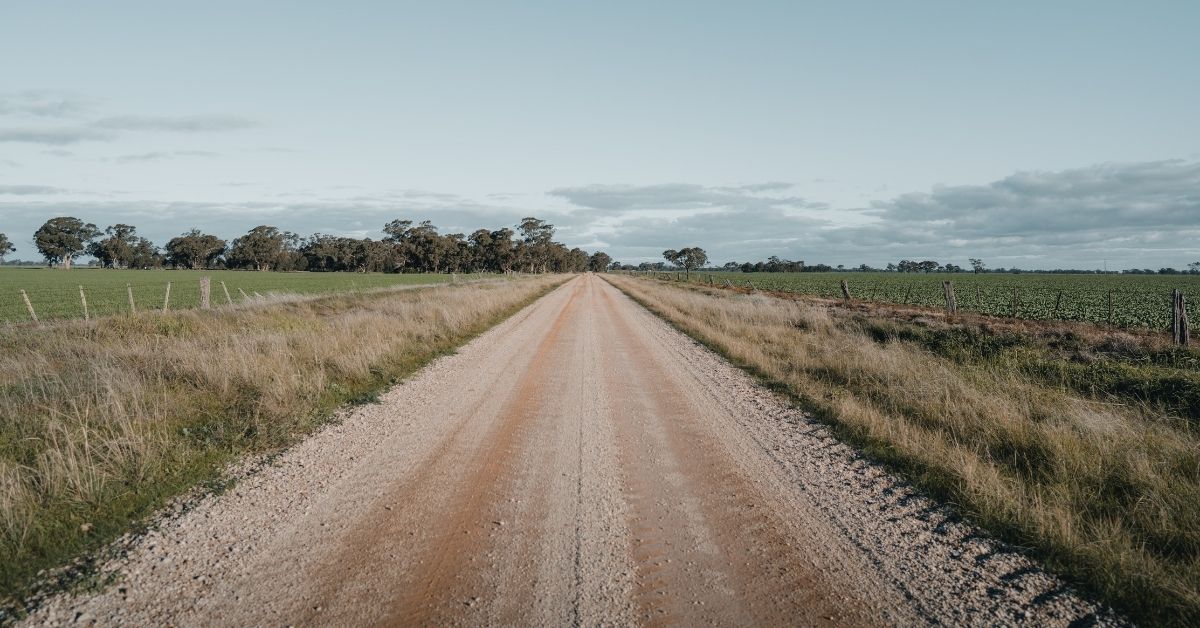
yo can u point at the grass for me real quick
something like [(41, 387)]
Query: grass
[(103, 422), (54, 293), (1138, 301), (1062, 439)]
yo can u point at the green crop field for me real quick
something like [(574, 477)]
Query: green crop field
[(54, 293), (1136, 300)]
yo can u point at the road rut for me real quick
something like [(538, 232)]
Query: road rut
[(580, 464)]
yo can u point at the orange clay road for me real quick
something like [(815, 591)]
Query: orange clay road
[(580, 464)]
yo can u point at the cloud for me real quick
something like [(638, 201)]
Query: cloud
[(1140, 213), (665, 196), (59, 136), (1159, 194), (42, 104), (161, 155), (106, 129), (27, 190), (183, 124)]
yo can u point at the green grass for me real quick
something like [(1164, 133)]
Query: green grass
[(54, 293), (1138, 301)]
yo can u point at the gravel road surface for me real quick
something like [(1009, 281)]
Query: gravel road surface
[(580, 464)]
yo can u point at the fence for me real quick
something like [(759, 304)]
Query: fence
[(1141, 302), (42, 303)]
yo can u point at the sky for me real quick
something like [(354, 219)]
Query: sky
[(1029, 134)]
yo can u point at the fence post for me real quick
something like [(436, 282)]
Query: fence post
[(845, 291), (951, 302), (226, 289), (205, 292), (29, 306), (245, 297), (1183, 321), (1179, 321), (907, 294), (132, 305), (1057, 303), (83, 300), (167, 298)]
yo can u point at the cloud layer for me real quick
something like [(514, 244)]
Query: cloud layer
[(70, 113), (1135, 215), (1144, 214)]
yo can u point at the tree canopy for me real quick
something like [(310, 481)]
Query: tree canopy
[(689, 258), (63, 239)]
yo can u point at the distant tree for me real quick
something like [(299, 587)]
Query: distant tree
[(599, 262), (891, 268), (123, 248), (194, 250), (977, 265), (689, 258), (6, 247), (1193, 268), (60, 240), (262, 248), (537, 235), (927, 266), (143, 254)]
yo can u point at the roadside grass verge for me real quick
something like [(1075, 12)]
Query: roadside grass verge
[(103, 422), (1102, 486)]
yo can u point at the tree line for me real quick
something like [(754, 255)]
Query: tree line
[(405, 247)]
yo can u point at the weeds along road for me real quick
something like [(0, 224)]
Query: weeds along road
[(580, 464)]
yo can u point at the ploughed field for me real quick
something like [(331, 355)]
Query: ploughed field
[(54, 293), (1123, 300)]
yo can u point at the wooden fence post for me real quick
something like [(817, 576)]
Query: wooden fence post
[(226, 289), (29, 306), (167, 298), (83, 300), (845, 291), (1179, 321), (205, 292), (951, 302), (1057, 303), (132, 305)]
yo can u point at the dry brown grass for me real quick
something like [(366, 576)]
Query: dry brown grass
[(102, 421), (1107, 494)]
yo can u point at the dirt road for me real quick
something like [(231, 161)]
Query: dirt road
[(580, 464)]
